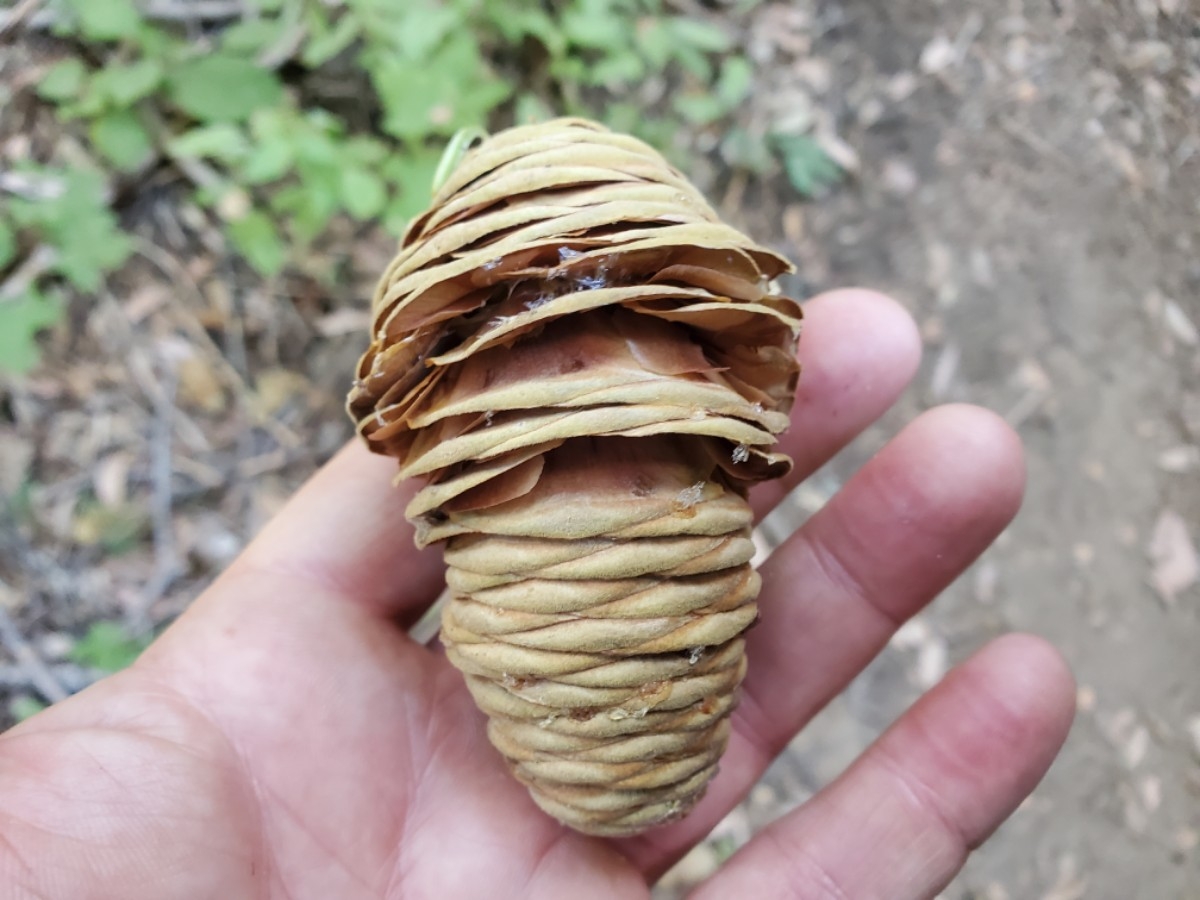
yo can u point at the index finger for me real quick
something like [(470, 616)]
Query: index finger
[(345, 530)]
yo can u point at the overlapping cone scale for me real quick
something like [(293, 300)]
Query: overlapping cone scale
[(587, 369)]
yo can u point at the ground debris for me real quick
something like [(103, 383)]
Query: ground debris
[(1175, 566)]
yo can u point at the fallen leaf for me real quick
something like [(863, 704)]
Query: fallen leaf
[(1181, 327), (343, 321), (1180, 459), (1173, 557), (275, 389)]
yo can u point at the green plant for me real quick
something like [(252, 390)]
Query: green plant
[(809, 168), (22, 707), (21, 318), (108, 647), (247, 111), (67, 212)]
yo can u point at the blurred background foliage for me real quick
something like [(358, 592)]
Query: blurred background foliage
[(286, 115)]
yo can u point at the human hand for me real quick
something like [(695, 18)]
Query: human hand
[(285, 738)]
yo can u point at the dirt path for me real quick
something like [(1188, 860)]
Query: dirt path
[(1028, 184)]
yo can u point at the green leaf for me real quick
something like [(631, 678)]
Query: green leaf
[(76, 221), (268, 161), (222, 88), (121, 138), (64, 81), (593, 24), (250, 37), (423, 33), (744, 150), (363, 193), (703, 36), (325, 46), (734, 82), (367, 151), (808, 167), (107, 646), (223, 142), (439, 97), (124, 85), (20, 321), (310, 204), (105, 20), (412, 173), (115, 529), (256, 239), (653, 41), (531, 108), (8, 244), (515, 24), (22, 707), (699, 109), (616, 70)]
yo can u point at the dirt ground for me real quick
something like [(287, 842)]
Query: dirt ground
[(1025, 177), (1028, 184)]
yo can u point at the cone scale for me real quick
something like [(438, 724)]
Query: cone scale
[(587, 370)]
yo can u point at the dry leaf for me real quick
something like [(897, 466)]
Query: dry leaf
[(1179, 325), (199, 385), (343, 321), (1175, 565), (276, 388), (1180, 459)]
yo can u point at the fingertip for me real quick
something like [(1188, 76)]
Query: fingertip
[(1036, 684), (963, 457), (854, 332)]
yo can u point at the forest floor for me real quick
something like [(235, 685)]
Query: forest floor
[(1027, 185)]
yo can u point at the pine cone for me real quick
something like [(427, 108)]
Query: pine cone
[(588, 369)]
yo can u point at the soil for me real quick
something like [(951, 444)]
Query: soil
[(1028, 184), (1024, 176)]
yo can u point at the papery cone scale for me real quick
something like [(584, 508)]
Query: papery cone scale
[(588, 370)]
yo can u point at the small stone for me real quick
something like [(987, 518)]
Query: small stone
[(1085, 699), (938, 55), (899, 177)]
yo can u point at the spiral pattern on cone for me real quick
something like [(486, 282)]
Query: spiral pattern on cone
[(588, 369)]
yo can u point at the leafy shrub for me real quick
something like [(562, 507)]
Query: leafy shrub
[(246, 110)]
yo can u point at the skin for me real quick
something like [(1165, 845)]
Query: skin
[(285, 738)]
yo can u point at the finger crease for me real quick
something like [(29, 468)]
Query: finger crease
[(924, 799), (841, 576)]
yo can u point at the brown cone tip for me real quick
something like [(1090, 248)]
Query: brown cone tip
[(587, 369)]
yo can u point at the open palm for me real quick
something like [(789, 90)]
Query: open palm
[(285, 738)]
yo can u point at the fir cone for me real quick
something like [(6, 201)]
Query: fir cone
[(588, 369)]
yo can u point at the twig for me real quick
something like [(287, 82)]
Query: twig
[(143, 375), (18, 14), (74, 678), (194, 10), (32, 187), (166, 557), (38, 674), (293, 34), (35, 265), (426, 627), (178, 275)]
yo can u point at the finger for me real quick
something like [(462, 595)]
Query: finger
[(901, 530), (859, 351), (345, 530), (901, 821)]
